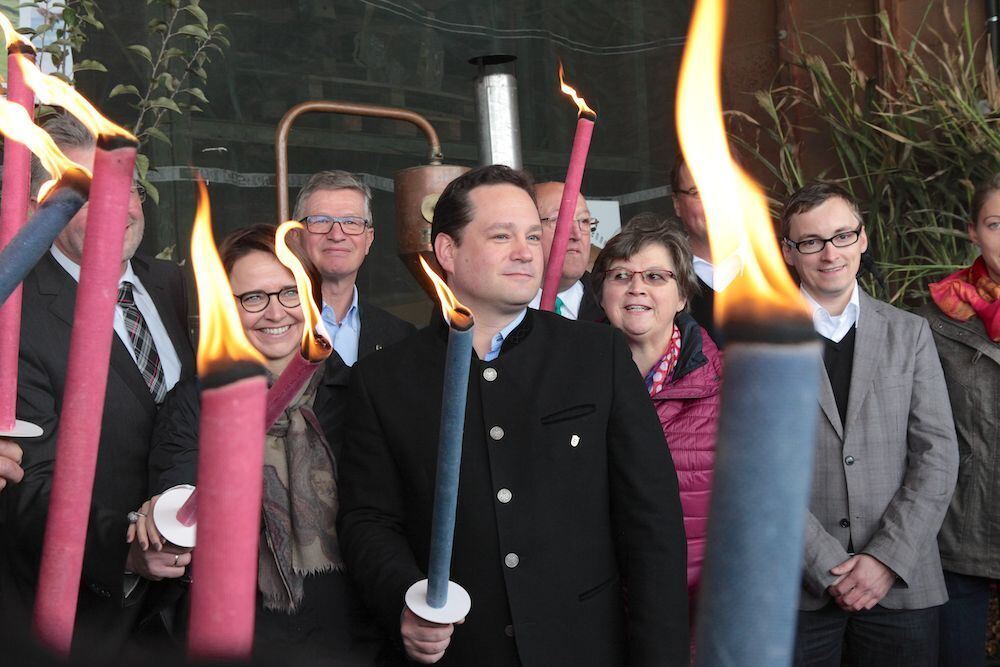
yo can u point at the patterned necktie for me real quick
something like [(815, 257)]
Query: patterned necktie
[(560, 307), (142, 343)]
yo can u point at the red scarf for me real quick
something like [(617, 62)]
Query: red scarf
[(663, 370), (970, 292)]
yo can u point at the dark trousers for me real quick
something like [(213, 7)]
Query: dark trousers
[(963, 621), (877, 637)]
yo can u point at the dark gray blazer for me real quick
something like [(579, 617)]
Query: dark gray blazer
[(121, 479), (884, 480)]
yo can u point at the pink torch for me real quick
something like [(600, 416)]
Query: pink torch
[(567, 206), (315, 348), (86, 378), (13, 212), (230, 462)]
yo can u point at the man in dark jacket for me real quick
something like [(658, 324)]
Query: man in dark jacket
[(568, 501), (151, 318), (575, 300)]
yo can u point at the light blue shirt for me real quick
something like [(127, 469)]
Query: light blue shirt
[(344, 335), (497, 342)]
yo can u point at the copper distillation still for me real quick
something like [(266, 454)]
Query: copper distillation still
[(416, 188)]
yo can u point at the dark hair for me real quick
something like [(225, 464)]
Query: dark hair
[(67, 132), (453, 210), (675, 173), (679, 161), (983, 191), (636, 235), (334, 179), (260, 238), (809, 197)]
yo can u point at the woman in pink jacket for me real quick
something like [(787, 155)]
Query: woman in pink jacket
[(644, 278)]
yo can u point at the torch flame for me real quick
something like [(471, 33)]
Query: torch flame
[(569, 90), (739, 224), (314, 347), (222, 340), (56, 92), (10, 33), (16, 124), (455, 314)]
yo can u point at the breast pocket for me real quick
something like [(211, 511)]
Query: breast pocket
[(572, 412)]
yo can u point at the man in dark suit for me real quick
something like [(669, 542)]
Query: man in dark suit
[(568, 501), (575, 300), (335, 207), (711, 278), (150, 352)]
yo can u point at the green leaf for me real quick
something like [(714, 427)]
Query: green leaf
[(197, 93), (152, 192), (165, 103), (198, 13), (193, 30), (194, 107), (172, 52), (124, 89), (142, 51), (158, 134), (86, 65), (142, 165)]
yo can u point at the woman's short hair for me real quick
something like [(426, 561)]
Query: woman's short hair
[(260, 238), (639, 233)]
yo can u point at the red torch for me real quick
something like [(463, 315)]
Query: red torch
[(230, 462), (13, 212), (571, 190), (87, 368), (315, 348)]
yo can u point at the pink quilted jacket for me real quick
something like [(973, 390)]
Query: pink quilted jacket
[(688, 407)]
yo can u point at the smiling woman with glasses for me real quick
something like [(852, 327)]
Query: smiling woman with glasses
[(644, 278), (305, 601)]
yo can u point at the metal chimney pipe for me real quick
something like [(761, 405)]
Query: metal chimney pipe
[(496, 110)]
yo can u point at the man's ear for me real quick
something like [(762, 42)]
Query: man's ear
[(786, 252), (444, 250)]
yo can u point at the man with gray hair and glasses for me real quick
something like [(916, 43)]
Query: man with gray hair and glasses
[(335, 208)]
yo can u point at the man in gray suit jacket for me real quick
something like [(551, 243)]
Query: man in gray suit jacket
[(886, 455)]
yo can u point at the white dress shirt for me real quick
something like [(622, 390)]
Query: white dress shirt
[(571, 299), (834, 327), (169, 360)]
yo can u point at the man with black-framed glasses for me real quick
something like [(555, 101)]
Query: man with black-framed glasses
[(886, 455), (575, 300)]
